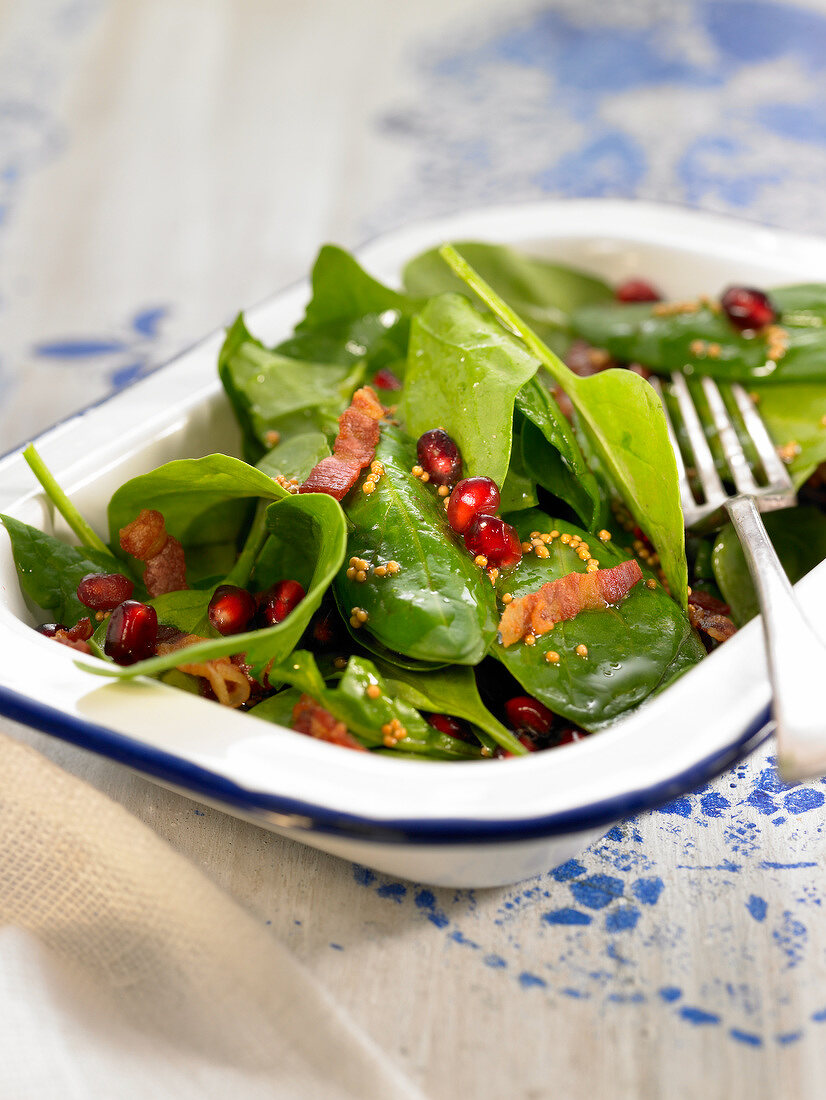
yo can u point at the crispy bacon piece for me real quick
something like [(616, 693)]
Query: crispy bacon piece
[(77, 636), (354, 448), (310, 718), (147, 539), (332, 476), (710, 616), (540, 611), (229, 683)]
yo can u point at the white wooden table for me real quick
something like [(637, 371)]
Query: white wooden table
[(162, 164)]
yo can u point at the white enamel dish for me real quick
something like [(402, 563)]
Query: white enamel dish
[(471, 824)]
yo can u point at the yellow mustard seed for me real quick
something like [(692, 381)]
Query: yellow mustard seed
[(565, 539), (554, 534), (373, 691), (443, 491), (530, 639), (351, 573), (361, 576), (581, 650), (480, 560), (380, 570), (651, 583), (368, 487), (604, 536), (552, 657), (425, 477), (417, 471), (507, 597)]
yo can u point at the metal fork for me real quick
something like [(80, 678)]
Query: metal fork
[(796, 654)]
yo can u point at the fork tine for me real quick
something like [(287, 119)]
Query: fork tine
[(735, 455), (775, 470), (703, 458), (685, 486)]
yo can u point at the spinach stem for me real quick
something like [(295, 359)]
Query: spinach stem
[(58, 497), (552, 363), (240, 572)]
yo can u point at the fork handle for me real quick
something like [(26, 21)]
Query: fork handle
[(796, 654)]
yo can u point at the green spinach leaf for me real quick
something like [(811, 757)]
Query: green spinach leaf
[(453, 691), (316, 522), (799, 537), (202, 500), (439, 607), (50, 571), (295, 457), (274, 395), (795, 415), (364, 715), (625, 423), (631, 648), (544, 293), (552, 456), (463, 374), (681, 340)]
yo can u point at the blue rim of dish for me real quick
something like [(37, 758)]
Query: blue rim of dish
[(306, 817)]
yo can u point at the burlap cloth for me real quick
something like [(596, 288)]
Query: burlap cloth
[(124, 972)]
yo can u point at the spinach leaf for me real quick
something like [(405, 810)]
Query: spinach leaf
[(463, 374), (519, 489), (795, 415), (799, 537), (544, 293), (202, 499), (295, 457), (675, 341), (453, 691), (343, 291), (625, 423), (186, 610), (363, 715), (552, 456), (632, 648), (50, 571), (278, 708), (272, 393), (316, 522), (439, 606), (351, 317)]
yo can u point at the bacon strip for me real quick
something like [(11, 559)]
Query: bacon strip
[(147, 539), (310, 718), (710, 616), (562, 599), (354, 448)]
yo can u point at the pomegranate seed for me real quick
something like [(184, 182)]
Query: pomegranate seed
[(495, 540), (277, 602), (104, 591), (527, 713), (446, 723), (131, 632), (637, 290), (471, 497), (231, 609), (570, 735), (49, 629), (747, 307), (439, 456), (386, 380)]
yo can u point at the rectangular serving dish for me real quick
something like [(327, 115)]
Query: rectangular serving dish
[(458, 824)]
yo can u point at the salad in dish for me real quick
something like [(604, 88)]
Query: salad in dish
[(455, 531)]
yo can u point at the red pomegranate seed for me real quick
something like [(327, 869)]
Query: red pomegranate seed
[(277, 602), (747, 307), (570, 735), (131, 632), (637, 290), (495, 540), (231, 609), (471, 497), (527, 713), (446, 723), (104, 591), (49, 629), (386, 380), (439, 457)]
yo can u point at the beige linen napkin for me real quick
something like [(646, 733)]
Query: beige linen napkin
[(125, 973)]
